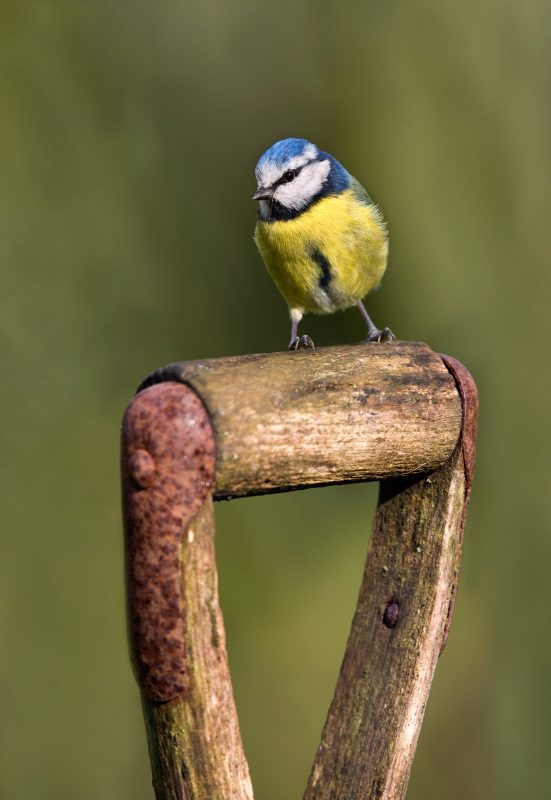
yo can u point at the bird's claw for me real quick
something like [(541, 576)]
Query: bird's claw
[(301, 343), (385, 335)]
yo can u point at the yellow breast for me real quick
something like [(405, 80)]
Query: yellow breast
[(328, 257)]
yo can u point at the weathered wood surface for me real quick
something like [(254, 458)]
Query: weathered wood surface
[(399, 628), (370, 735), (407, 595), (176, 630), (194, 740), (350, 413)]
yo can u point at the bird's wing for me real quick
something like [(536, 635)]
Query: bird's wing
[(360, 192)]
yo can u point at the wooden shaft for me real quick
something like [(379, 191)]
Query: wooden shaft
[(400, 626), (176, 629), (351, 413), (194, 741), (371, 732)]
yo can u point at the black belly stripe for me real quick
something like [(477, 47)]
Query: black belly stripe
[(325, 265)]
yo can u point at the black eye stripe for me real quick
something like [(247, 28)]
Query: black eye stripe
[(288, 176)]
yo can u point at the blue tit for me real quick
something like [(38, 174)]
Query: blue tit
[(323, 240)]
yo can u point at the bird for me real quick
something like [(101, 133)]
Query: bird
[(322, 238)]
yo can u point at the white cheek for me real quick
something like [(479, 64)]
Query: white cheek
[(270, 173), (296, 194)]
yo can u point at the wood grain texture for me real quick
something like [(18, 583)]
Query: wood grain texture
[(349, 413), (399, 628), (176, 631), (194, 741), (400, 409), (369, 739)]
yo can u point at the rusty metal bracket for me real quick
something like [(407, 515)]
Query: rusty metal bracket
[(167, 473)]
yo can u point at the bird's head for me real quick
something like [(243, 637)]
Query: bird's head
[(291, 175)]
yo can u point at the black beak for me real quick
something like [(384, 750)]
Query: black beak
[(262, 193)]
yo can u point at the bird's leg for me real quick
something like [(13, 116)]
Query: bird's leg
[(295, 318), (373, 332), (298, 342)]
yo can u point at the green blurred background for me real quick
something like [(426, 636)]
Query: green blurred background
[(128, 137)]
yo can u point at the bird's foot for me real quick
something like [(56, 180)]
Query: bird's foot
[(301, 343), (385, 335)]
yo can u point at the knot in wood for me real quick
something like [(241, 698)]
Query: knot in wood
[(391, 614)]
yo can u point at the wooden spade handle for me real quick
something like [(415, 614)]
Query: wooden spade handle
[(256, 424)]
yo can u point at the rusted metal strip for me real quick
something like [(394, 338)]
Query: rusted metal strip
[(168, 457), (469, 404)]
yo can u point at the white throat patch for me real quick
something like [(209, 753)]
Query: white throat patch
[(296, 194)]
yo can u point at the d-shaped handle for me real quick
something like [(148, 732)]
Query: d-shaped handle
[(264, 423)]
